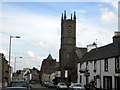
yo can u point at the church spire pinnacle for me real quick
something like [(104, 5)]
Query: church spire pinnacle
[(74, 15), (71, 16), (65, 14), (62, 17)]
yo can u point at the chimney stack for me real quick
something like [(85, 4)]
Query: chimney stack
[(116, 38), (91, 46)]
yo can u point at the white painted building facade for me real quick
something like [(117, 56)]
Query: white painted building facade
[(97, 71), (101, 65)]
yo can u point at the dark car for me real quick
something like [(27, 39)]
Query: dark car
[(51, 85), (32, 82), (15, 88), (20, 83)]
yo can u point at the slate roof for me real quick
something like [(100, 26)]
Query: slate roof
[(80, 52), (108, 51)]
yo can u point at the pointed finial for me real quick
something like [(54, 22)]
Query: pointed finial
[(62, 17), (71, 16), (65, 14), (74, 16)]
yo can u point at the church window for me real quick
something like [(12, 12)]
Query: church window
[(69, 28)]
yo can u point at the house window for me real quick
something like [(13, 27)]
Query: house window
[(106, 64), (80, 79), (107, 82), (80, 67), (87, 66), (95, 80), (117, 63), (95, 66)]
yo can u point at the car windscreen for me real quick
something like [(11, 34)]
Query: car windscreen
[(78, 85), (18, 84), (63, 84)]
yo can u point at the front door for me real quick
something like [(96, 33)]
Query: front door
[(107, 82), (117, 82)]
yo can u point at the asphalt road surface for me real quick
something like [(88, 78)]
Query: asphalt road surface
[(43, 88), (39, 87)]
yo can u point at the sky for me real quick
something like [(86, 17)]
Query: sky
[(39, 26)]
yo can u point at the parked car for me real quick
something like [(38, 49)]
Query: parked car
[(32, 82), (20, 83), (76, 86), (51, 85), (61, 86), (45, 84), (15, 88)]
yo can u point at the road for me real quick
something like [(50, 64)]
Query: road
[(39, 87), (43, 89)]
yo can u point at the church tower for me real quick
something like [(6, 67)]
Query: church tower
[(68, 46)]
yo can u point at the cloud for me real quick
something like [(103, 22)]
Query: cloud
[(114, 3), (37, 29), (87, 33), (31, 54), (38, 33), (108, 16), (4, 51), (33, 60)]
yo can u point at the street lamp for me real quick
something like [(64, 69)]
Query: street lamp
[(10, 54), (10, 47), (15, 63)]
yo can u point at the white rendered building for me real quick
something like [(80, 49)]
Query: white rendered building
[(101, 65)]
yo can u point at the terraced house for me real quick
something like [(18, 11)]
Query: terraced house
[(4, 71), (101, 65)]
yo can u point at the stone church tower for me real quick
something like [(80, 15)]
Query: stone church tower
[(68, 47)]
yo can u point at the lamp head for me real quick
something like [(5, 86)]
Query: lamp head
[(20, 57), (14, 36), (17, 36)]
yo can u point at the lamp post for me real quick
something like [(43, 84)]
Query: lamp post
[(10, 53), (15, 63), (10, 47)]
